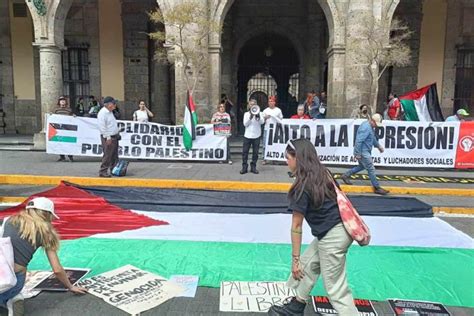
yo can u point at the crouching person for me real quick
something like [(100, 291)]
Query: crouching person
[(28, 230)]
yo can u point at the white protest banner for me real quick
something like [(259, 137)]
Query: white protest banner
[(131, 289), (80, 136), (252, 296), (407, 144)]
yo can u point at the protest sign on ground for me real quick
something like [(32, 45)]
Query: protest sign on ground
[(131, 289), (252, 296)]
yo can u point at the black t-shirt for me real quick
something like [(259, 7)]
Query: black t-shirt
[(321, 220)]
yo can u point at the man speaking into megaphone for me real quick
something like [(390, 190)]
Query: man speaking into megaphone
[(253, 120)]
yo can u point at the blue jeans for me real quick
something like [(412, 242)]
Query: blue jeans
[(365, 163), (11, 293)]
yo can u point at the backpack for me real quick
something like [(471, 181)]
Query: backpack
[(120, 168), (7, 265)]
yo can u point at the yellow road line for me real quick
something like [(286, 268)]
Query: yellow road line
[(12, 199), (453, 210), (212, 185)]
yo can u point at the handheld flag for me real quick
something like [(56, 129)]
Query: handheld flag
[(422, 105), (190, 123)]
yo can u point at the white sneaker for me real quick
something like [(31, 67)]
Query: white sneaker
[(230, 162), (15, 306)]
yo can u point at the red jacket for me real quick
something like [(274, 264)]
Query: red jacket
[(304, 117)]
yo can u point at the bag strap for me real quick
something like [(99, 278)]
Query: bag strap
[(3, 225)]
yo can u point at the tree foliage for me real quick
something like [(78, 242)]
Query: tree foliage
[(378, 53), (188, 26)]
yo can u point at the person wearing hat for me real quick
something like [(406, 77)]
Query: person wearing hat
[(109, 136), (272, 115), (63, 109), (28, 230), (460, 116), (364, 142)]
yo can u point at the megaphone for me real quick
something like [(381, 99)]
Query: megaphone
[(255, 109)]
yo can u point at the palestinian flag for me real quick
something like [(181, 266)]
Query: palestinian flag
[(190, 123), (244, 236), (65, 133), (422, 105)]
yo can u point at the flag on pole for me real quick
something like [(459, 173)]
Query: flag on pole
[(422, 105), (190, 123)]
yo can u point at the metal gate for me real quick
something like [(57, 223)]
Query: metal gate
[(464, 86), (261, 82), (76, 74)]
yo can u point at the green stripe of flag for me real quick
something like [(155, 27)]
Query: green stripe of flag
[(374, 272), (410, 110), (63, 139)]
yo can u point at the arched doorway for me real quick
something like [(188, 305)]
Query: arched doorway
[(268, 64)]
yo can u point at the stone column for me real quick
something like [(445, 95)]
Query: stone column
[(51, 86), (214, 74), (336, 77)]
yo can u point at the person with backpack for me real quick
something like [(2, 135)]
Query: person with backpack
[(29, 230), (313, 198)]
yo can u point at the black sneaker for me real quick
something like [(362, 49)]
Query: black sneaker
[(291, 307), (346, 179), (380, 191)]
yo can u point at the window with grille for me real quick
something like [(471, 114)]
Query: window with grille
[(464, 86), (76, 74)]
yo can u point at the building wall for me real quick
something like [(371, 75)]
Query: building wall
[(82, 29), (433, 31), (7, 104), (111, 49)]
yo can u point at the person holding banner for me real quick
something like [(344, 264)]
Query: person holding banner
[(109, 136), (272, 115), (219, 118), (28, 230), (312, 197), (364, 142), (300, 114), (142, 115), (253, 121), (64, 109)]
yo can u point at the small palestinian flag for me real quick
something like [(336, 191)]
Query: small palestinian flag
[(65, 133), (190, 123), (422, 105)]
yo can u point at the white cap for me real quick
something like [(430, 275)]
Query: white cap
[(377, 118), (42, 203)]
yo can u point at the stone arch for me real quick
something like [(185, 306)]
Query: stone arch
[(263, 29)]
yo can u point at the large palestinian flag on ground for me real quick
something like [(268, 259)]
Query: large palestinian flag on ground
[(422, 105), (241, 236)]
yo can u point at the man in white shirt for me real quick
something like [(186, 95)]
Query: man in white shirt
[(109, 136), (272, 115), (460, 116), (253, 130)]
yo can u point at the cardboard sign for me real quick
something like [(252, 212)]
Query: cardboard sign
[(188, 282), (252, 296), (51, 283), (222, 129), (402, 307), (131, 289), (322, 305)]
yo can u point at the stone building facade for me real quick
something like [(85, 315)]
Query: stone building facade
[(286, 47)]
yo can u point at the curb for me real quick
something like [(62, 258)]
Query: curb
[(436, 209), (6, 179)]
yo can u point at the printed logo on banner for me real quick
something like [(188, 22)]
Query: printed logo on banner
[(62, 133), (322, 305), (465, 148), (402, 307)]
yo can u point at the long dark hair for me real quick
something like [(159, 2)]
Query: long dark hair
[(311, 175)]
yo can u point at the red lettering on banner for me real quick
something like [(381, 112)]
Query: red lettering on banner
[(465, 146)]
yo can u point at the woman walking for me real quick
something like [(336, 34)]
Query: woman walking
[(28, 230), (313, 197)]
